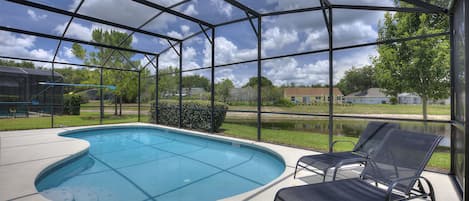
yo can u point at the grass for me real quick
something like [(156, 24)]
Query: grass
[(321, 108), (315, 141), (86, 118), (319, 142), (355, 109)]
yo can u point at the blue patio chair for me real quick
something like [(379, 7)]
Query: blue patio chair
[(396, 165), (371, 136)]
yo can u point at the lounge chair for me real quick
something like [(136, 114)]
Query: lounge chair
[(371, 136), (392, 173)]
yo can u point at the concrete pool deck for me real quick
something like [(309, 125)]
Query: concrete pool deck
[(26, 154)]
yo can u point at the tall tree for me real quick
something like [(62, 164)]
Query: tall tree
[(125, 82), (357, 79), (195, 81), (265, 82), (222, 89), (168, 81), (75, 76), (416, 66)]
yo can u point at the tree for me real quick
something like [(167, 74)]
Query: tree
[(416, 66), (222, 89), (168, 80), (195, 81), (357, 79), (253, 82), (75, 76), (270, 93), (125, 82), (23, 64)]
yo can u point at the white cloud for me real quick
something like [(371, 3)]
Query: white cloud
[(222, 7), (190, 10), (306, 74), (229, 73), (170, 58), (126, 12), (226, 52), (189, 58), (357, 57), (174, 34), (185, 29), (274, 38), (67, 52), (79, 31), (354, 33), (75, 31), (22, 46), (35, 16), (42, 54), (289, 5), (315, 40)]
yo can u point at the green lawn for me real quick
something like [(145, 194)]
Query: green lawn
[(319, 142), (86, 118), (355, 109), (322, 108), (302, 139)]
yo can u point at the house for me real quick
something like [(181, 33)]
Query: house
[(21, 92), (409, 98), (247, 94), (195, 91), (309, 95), (369, 96)]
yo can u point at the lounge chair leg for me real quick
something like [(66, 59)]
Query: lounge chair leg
[(420, 186), (296, 167), (324, 176), (431, 191)]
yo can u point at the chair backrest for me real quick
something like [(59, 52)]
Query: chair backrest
[(372, 136), (401, 154)]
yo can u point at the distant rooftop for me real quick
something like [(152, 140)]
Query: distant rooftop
[(371, 92), (27, 71)]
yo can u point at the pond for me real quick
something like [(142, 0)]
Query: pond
[(345, 127)]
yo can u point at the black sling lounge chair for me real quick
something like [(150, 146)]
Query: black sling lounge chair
[(369, 139), (397, 165)]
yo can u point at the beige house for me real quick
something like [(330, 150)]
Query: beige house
[(312, 95)]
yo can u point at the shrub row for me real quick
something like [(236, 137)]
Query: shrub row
[(72, 104), (195, 114)]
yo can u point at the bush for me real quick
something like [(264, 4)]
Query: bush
[(72, 104), (195, 114), (283, 102), (393, 100)]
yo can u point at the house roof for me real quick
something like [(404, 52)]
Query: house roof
[(371, 92), (407, 95), (310, 91), (27, 71)]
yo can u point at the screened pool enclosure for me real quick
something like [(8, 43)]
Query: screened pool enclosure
[(222, 66)]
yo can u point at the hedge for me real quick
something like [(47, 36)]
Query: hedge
[(72, 104), (195, 114)]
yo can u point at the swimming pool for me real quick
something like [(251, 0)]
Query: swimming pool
[(149, 163)]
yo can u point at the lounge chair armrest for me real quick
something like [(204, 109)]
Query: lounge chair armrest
[(336, 141), (396, 181), (347, 162)]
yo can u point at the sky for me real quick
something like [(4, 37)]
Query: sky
[(285, 34)]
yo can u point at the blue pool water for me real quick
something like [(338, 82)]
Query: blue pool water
[(143, 163)]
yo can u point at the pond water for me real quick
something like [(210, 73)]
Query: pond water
[(350, 128)]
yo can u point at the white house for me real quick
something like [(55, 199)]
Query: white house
[(370, 96), (409, 98)]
